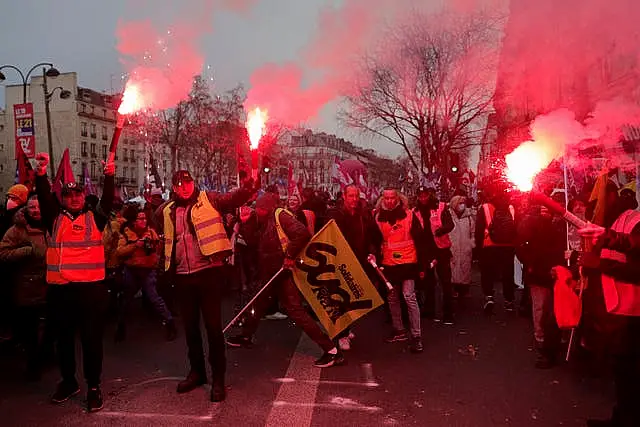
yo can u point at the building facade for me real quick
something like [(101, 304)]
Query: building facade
[(84, 123)]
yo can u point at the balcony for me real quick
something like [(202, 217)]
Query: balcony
[(94, 135), (104, 136), (94, 155), (84, 154), (83, 133)]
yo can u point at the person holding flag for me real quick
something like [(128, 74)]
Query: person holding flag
[(280, 238), (75, 273)]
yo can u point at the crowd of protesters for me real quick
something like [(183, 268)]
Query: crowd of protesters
[(69, 258)]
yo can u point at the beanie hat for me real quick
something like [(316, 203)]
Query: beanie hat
[(267, 202), (20, 192)]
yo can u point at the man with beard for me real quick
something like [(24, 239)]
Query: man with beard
[(195, 250), (279, 238), (75, 273), (435, 224), (400, 230), (362, 235)]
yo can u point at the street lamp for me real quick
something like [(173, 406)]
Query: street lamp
[(46, 72), (64, 94)]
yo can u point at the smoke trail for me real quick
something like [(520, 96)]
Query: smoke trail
[(163, 58)]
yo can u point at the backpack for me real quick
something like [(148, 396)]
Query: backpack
[(502, 229)]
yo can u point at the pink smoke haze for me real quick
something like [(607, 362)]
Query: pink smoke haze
[(162, 60)]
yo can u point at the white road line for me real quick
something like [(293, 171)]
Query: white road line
[(299, 396), (367, 368), (151, 415), (336, 406), (369, 384)]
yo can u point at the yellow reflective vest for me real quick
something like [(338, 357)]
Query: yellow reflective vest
[(207, 222)]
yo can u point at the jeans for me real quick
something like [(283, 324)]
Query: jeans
[(198, 293), (409, 294), (145, 278), (79, 306), (497, 262), (545, 329), (288, 294)]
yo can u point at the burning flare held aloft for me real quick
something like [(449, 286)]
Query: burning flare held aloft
[(525, 162), (256, 126)]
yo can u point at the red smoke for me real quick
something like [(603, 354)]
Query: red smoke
[(163, 60)]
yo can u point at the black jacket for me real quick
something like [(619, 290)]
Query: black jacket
[(425, 243), (540, 246), (50, 208), (628, 244), (264, 236), (360, 231)]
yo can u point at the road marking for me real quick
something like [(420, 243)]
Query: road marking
[(151, 415), (371, 384), (367, 368), (295, 401), (335, 406)]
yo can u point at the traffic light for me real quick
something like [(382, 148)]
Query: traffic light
[(454, 163)]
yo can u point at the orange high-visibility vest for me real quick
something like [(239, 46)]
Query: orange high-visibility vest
[(75, 252), (489, 209), (621, 297), (397, 245), (435, 220)]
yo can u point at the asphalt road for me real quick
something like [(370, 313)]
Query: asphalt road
[(477, 373)]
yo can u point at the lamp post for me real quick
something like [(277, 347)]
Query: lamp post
[(47, 72), (64, 94)]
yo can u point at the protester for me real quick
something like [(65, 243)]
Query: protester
[(23, 250), (75, 271), (138, 249), (153, 201), (434, 242), (110, 238), (495, 237), (619, 264), (305, 216), (279, 238), (398, 252), (195, 248), (16, 199), (360, 231), (541, 244), (462, 243)]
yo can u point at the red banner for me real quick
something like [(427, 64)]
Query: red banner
[(25, 130)]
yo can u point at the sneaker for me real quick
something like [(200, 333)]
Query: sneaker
[(416, 345), (329, 359), (64, 392), (397, 336), (170, 331), (276, 316), (509, 307), (351, 335), (344, 344), (488, 305), (239, 341), (193, 381), (94, 400)]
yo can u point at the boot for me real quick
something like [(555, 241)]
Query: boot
[(193, 381), (218, 391)]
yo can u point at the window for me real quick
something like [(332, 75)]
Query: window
[(83, 148), (1, 167), (1, 147), (104, 113), (133, 174), (83, 129), (93, 150), (93, 130), (133, 155), (83, 108), (104, 133), (164, 166), (104, 152), (125, 170), (126, 157), (93, 170)]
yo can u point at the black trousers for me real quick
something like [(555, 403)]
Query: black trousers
[(79, 307), (627, 376), (200, 293), (285, 291), (496, 262), (27, 331)]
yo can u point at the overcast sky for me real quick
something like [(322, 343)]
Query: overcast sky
[(79, 35)]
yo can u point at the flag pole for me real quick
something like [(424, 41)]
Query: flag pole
[(255, 297)]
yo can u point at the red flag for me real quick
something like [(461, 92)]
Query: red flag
[(64, 174)]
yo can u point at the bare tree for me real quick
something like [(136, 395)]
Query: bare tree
[(429, 87)]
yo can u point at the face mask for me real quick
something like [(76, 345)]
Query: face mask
[(462, 207), (11, 204)]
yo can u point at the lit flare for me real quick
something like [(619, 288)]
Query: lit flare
[(525, 162), (132, 100), (256, 126)]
